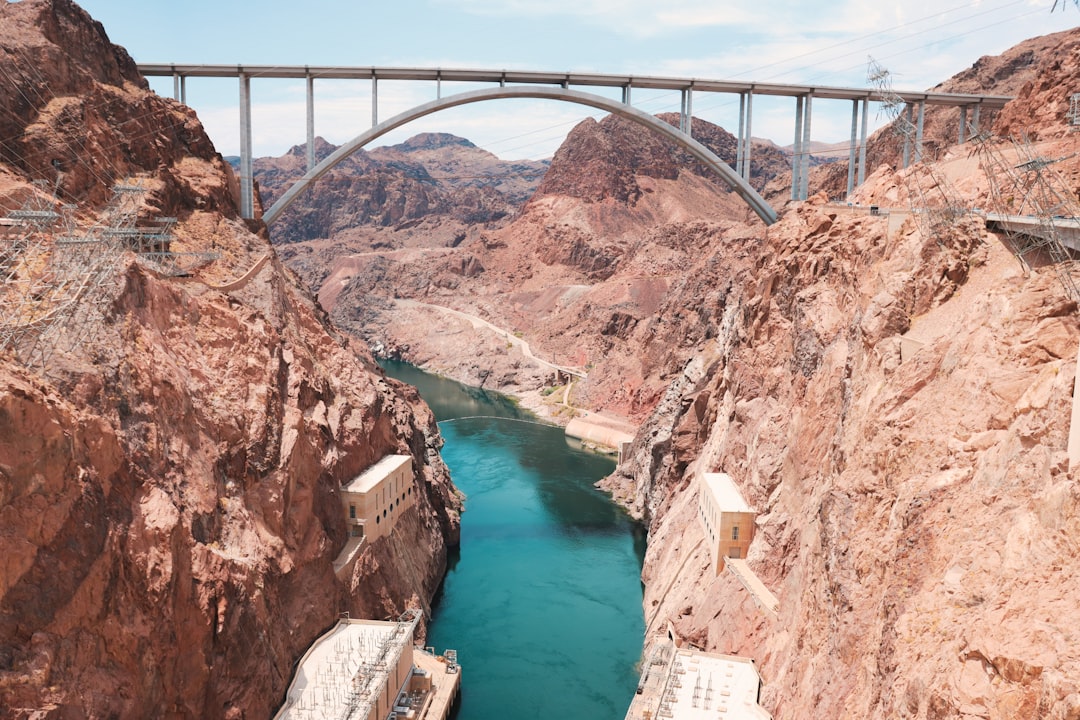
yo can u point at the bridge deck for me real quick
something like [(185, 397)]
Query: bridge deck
[(1066, 230), (527, 77)]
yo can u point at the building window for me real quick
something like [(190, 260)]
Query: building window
[(377, 519), (384, 513), (352, 512), (735, 533)]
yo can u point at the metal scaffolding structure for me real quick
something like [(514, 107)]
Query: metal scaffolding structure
[(54, 276), (934, 203), (1028, 185)]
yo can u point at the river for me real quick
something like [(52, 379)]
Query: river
[(543, 601)]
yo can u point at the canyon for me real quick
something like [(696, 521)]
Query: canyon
[(169, 515), (895, 404), (917, 511)]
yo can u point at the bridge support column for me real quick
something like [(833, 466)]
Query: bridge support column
[(310, 121), (975, 119), (374, 101), (862, 141), (796, 149), (804, 176), (907, 136), (686, 110), (176, 86), (247, 186), (438, 86), (626, 95), (689, 112), (742, 135), (963, 124), (748, 135), (851, 150), (919, 131)]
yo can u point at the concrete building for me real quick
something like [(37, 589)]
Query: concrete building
[(684, 684), (376, 498), (365, 670), (726, 518)]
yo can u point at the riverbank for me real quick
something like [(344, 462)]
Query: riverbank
[(471, 350)]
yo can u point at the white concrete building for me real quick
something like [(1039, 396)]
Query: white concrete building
[(365, 670), (375, 499), (726, 518)]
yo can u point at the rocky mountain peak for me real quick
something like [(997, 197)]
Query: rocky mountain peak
[(603, 160), (432, 141)]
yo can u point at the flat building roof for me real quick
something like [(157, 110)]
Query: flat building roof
[(713, 686), (726, 493), (371, 477), (354, 654)]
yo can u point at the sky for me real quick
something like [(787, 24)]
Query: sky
[(921, 42)]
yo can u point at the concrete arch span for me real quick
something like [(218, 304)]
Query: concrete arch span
[(699, 151)]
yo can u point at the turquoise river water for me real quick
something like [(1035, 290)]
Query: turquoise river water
[(543, 601)]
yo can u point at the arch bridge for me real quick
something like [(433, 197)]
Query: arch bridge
[(557, 86)]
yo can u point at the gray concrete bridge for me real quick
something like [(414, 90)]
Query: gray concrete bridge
[(1064, 229), (557, 86)]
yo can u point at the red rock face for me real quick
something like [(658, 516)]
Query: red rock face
[(900, 503), (433, 184), (168, 489), (916, 513)]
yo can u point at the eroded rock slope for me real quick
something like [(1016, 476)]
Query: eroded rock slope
[(168, 488)]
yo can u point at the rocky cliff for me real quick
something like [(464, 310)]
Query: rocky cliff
[(1041, 72), (895, 405), (168, 487), (914, 512)]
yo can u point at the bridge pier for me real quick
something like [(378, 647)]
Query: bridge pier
[(804, 176), (906, 159), (686, 110), (857, 152), (800, 156), (310, 121), (796, 148), (963, 124), (247, 185), (179, 87), (374, 100), (626, 94), (862, 142), (746, 139), (919, 131), (741, 136), (851, 149)]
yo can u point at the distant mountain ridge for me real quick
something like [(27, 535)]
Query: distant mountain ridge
[(443, 182)]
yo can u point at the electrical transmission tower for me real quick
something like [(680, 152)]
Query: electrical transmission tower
[(55, 276), (1029, 188), (934, 203)]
